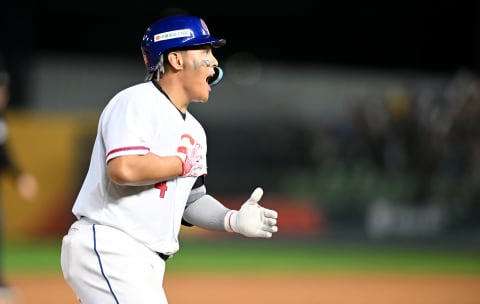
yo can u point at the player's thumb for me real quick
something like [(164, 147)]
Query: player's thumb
[(256, 196)]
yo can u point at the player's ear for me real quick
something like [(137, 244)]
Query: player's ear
[(175, 60)]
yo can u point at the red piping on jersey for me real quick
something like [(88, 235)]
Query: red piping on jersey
[(127, 149)]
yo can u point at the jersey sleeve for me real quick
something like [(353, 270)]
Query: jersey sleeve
[(128, 127)]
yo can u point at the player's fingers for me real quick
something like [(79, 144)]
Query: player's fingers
[(270, 221), (264, 234), (256, 196), (270, 229), (270, 213)]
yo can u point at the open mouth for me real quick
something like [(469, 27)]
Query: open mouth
[(210, 79)]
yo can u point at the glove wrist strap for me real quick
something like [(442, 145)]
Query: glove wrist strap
[(230, 221)]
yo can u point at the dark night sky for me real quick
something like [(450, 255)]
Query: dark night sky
[(427, 35)]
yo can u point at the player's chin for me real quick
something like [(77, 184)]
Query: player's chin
[(200, 100), (202, 97)]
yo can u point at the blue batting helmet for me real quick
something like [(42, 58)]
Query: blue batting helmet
[(173, 32)]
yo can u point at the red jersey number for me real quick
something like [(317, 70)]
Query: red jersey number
[(162, 186)]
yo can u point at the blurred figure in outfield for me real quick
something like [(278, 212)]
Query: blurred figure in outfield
[(26, 184)]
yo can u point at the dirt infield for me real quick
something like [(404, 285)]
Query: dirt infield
[(279, 289)]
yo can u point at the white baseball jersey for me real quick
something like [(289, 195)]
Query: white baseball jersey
[(138, 120)]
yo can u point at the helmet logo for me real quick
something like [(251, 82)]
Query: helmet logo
[(173, 34), (204, 26)]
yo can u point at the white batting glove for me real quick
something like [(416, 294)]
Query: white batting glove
[(191, 155), (252, 220)]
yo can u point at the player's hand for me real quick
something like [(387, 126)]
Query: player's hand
[(252, 220), (191, 155)]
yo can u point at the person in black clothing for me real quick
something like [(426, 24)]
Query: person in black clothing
[(26, 184)]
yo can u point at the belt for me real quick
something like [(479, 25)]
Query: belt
[(163, 256)]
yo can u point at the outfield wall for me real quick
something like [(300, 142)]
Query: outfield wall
[(53, 148)]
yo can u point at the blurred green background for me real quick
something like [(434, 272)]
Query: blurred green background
[(37, 257)]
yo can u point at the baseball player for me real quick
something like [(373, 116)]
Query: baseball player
[(26, 183), (147, 174)]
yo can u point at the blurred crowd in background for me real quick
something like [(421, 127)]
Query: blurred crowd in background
[(401, 164), (409, 162)]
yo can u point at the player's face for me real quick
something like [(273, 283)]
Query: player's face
[(198, 68)]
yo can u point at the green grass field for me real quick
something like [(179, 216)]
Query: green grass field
[(269, 255)]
